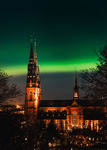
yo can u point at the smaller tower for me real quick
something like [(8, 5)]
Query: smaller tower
[(76, 89)]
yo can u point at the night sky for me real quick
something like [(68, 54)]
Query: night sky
[(67, 32)]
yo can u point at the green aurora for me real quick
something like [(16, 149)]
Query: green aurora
[(67, 33), (52, 68)]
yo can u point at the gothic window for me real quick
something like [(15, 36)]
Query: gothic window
[(30, 95), (74, 118)]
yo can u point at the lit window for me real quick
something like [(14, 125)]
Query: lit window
[(74, 118), (75, 94), (30, 95)]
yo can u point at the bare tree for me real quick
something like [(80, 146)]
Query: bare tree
[(7, 90), (94, 80)]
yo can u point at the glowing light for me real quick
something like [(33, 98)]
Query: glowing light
[(17, 106), (89, 138), (50, 145), (35, 96), (75, 94), (25, 139)]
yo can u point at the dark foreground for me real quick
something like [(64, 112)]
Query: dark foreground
[(18, 134)]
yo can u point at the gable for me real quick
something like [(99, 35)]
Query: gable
[(75, 104)]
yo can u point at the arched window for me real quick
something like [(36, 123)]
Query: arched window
[(30, 95), (74, 118)]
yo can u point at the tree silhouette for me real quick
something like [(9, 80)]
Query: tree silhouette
[(94, 80), (7, 90)]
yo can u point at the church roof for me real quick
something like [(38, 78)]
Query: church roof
[(55, 103), (64, 103)]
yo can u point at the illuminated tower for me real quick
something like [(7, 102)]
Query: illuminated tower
[(76, 89), (33, 86)]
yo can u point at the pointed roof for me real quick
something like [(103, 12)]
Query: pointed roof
[(76, 90), (35, 54), (74, 104), (75, 80), (31, 51), (64, 103), (36, 62)]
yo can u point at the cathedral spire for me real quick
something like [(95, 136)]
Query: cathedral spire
[(75, 79), (31, 52), (76, 91), (33, 86), (35, 54)]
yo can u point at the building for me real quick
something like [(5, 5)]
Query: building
[(65, 113), (33, 86)]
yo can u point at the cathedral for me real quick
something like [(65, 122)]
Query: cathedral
[(74, 113)]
